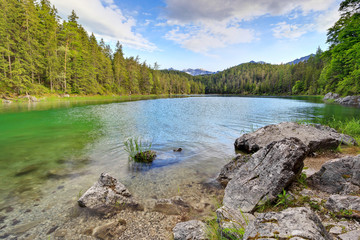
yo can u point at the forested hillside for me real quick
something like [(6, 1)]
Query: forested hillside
[(40, 53), (336, 70), (262, 78)]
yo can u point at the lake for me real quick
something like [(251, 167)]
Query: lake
[(50, 153)]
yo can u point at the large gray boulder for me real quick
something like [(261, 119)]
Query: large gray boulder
[(190, 230), (316, 137), (338, 176), (107, 193), (231, 221), (337, 203), (228, 171), (292, 223), (266, 174)]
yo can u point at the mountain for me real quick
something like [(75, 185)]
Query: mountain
[(198, 71), (303, 59), (193, 72)]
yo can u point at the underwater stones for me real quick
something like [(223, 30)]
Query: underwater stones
[(145, 157), (107, 192), (172, 206)]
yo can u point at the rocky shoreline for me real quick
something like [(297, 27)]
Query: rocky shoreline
[(325, 205), (348, 100), (267, 192)]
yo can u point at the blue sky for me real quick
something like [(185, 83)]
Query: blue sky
[(209, 34)]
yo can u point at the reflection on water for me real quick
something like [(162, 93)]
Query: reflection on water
[(77, 142)]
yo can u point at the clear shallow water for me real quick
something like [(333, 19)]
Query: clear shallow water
[(58, 152)]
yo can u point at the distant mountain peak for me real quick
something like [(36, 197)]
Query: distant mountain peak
[(194, 72), (298, 60)]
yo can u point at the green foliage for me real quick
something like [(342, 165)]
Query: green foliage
[(264, 206), (283, 199), (39, 53), (139, 151), (302, 180), (347, 126)]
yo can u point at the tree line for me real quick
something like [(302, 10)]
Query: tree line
[(335, 70), (40, 53)]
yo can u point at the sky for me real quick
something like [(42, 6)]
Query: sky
[(208, 34)]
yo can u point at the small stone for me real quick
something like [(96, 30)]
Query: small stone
[(177, 150), (336, 230), (190, 230), (109, 231), (60, 233), (353, 235), (51, 230)]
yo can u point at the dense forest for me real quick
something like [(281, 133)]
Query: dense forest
[(40, 53), (335, 70)]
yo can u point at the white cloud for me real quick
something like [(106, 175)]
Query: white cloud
[(203, 25), (186, 11), (327, 19), (105, 19), (203, 38), (292, 31)]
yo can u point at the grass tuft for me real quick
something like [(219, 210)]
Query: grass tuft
[(139, 151)]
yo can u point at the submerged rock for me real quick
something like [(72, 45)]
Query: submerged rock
[(108, 231), (108, 192), (316, 137), (292, 223), (172, 206), (190, 230), (228, 171), (145, 157), (340, 176), (266, 174)]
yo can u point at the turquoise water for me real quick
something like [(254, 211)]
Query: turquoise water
[(45, 143)]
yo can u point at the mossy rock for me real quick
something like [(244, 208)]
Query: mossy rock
[(145, 157)]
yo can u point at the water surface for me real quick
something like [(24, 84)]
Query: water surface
[(57, 152)]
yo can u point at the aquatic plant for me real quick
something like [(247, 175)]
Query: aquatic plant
[(139, 151)]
